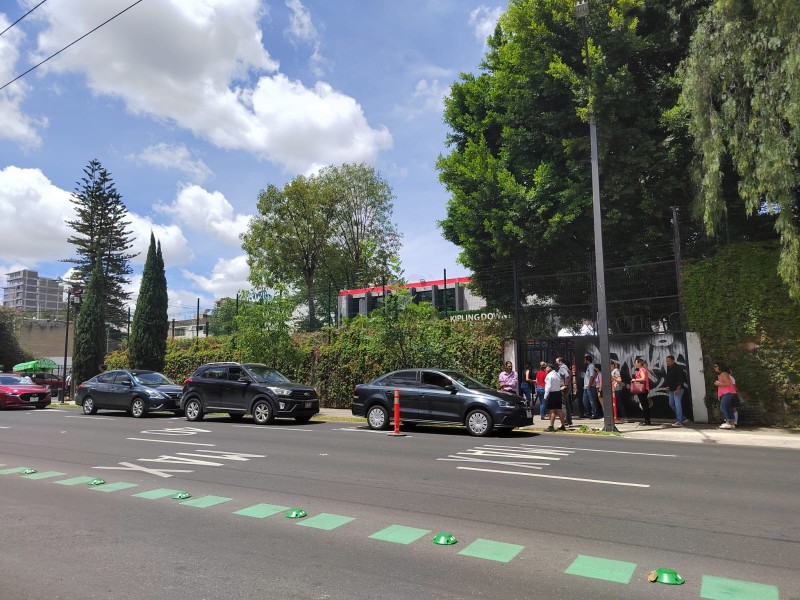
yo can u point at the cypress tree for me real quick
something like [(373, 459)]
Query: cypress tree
[(11, 351), (148, 342), (101, 226), (90, 328)]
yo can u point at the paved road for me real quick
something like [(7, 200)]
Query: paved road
[(536, 515)]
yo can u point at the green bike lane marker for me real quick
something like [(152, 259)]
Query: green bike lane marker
[(44, 475), (205, 501), (399, 534), (326, 521), (602, 568), (261, 511), (74, 481), (491, 550), (155, 494), (12, 471), (720, 588), (114, 487)]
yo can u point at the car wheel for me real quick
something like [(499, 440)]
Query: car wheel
[(263, 413), (236, 416), (378, 417), (138, 408), (88, 406), (479, 423), (193, 410), (302, 419)]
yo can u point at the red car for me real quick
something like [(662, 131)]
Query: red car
[(15, 390)]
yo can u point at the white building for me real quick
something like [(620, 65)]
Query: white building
[(26, 292)]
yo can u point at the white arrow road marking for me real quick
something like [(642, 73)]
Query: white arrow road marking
[(126, 466), (169, 442), (639, 485), (176, 431), (606, 451), (222, 455), (89, 417), (179, 460), (454, 458), (274, 428)]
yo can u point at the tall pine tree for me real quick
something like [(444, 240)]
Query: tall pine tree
[(101, 229), (90, 328), (148, 341)]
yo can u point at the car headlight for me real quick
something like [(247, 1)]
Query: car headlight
[(505, 404), (281, 391), (155, 394)]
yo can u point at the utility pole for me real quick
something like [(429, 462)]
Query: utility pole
[(517, 328), (444, 294), (197, 325)]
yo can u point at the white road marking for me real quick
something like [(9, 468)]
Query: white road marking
[(126, 466), (89, 417), (603, 481), (176, 431), (523, 465), (274, 428), (5, 427), (169, 442), (50, 410), (606, 451), (365, 431)]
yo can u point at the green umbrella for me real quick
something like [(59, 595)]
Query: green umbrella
[(42, 364)]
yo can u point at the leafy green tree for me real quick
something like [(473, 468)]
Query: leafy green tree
[(223, 317), (90, 328), (741, 92), (11, 352), (101, 229), (148, 342), (518, 169), (263, 329)]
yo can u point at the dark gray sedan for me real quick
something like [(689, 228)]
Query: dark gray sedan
[(137, 392), (439, 396)]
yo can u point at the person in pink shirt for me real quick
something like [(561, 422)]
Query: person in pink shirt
[(726, 392), (507, 381)]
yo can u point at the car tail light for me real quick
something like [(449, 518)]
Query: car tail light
[(187, 380)]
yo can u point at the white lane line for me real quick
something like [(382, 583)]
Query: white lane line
[(89, 417), (606, 451), (365, 430), (50, 410), (274, 428), (169, 442), (1, 427), (622, 483)]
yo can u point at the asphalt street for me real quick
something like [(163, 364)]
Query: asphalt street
[(535, 515)]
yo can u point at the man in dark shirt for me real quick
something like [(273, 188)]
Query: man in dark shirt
[(675, 380)]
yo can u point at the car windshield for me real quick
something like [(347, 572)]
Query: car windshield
[(152, 379), (465, 380), (263, 374), (13, 380)]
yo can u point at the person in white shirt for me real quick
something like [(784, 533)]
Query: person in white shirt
[(553, 397)]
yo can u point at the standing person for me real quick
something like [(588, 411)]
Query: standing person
[(540, 391), (553, 398), (566, 387), (507, 380), (618, 387), (590, 405), (726, 392), (525, 385), (675, 380), (640, 387)]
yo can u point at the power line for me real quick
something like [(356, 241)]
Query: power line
[(69, 45), (22, 17)]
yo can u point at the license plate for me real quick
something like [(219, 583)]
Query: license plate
[(34, 398), (308, 404), (528, 413)]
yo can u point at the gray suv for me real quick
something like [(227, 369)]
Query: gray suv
[(246, 388)]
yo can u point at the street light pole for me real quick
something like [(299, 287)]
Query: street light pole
[(66, 348), (582, 12)]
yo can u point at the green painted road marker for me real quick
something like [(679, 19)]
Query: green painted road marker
[(44, 475), (326, 521), (74, 481), (115, 487), (296, 513), (155, 494), (97, 481), (444, 538), (490, 550), (181, 496), (720, 588), (602, 568), (399, 534), (28, 471), (206, 501), (13, 471), (260, 511)]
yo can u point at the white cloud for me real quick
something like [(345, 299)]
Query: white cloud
[(483, 21), (302, 28), (208, 212), (165, 156), (428, 97), (14, 124), (174, 246), (227, 277), (195, 69)]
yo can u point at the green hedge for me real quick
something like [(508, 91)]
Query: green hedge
[(742, 311)]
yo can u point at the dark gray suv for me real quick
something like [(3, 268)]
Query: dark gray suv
[(242, 388)]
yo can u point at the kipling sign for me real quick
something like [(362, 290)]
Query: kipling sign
[(486, 316)]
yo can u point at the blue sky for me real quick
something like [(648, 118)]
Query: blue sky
[(194, 106)]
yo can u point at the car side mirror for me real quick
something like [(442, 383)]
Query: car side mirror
[(244, 380), (126, 383), (450, 388)]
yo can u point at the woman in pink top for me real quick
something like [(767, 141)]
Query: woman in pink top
[(726, 392), (507, 381)]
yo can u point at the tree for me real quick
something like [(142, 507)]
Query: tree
[(741, 95), (148, 342), (518, 170), (11, 352), (223, 317), (263, 332), (101, 230), (90, 328)]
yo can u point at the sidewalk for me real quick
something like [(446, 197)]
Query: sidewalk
[(697, 433)]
